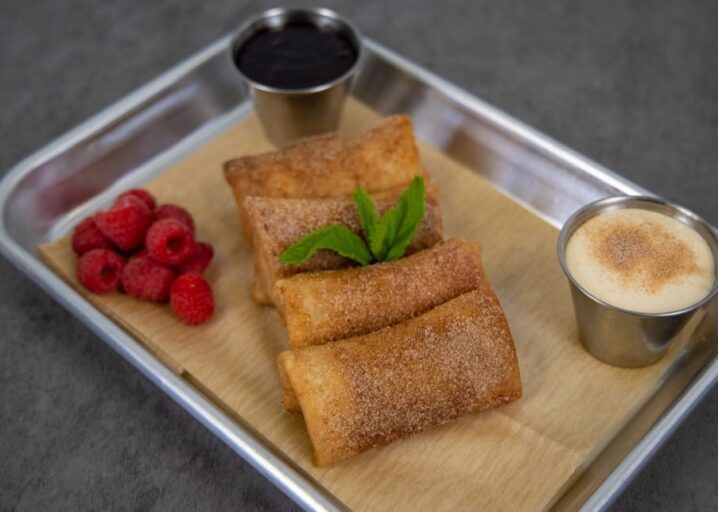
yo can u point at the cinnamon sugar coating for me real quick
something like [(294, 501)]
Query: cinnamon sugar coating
[(277, 223), (367, 391), (319, 307), (383, 158)]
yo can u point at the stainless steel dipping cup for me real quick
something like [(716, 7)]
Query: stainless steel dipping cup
[(290, 114), (617, 336)]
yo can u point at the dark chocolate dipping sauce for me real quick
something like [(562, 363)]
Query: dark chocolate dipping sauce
[(295, 56)]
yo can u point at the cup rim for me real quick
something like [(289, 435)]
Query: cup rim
[(583, 214), (260, 22)]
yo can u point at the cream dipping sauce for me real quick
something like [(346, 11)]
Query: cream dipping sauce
[(641, 261)]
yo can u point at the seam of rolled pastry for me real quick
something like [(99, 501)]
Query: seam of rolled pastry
[(289, 398), (381, 158), (261, 291), (370, 390), (319, 307), (276, 223)]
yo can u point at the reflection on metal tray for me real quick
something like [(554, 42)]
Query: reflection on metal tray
[(142, 134)]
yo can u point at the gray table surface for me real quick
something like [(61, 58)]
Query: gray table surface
[(633, 85)]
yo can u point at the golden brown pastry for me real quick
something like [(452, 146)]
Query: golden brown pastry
[(367, 391), (383, 158), (318, 307), (276, 223)]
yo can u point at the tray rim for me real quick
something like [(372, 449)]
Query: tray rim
[(240, 436)]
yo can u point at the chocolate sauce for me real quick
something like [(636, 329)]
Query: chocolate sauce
[(298, 55)]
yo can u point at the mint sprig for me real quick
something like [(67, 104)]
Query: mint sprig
[(336, 237), (387, 235)]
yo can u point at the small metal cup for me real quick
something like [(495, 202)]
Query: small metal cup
[(617, 336), (290, 114)]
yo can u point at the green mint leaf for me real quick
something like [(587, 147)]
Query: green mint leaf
[(381, 240), (388, 236), (336, 237), (402, 221), (373, 232)]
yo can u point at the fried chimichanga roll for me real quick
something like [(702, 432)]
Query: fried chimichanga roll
[(383, 158), (362, 392), (318, 307), (277, 223)]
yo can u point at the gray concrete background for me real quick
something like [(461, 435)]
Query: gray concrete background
[(634, 85)]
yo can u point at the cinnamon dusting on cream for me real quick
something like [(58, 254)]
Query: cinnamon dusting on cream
[(641, 261), (645, 254)]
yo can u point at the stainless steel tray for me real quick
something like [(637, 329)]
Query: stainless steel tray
[(141, 135)]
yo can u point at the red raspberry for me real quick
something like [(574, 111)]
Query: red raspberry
[(170, 241), (172, 211), (126, 223), (199, 261), (191, 299), (87, 236), (142, 195), (147, 279), (99, 270)]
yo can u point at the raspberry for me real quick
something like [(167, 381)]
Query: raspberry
[(87, 236), (126, 223), (170, 241), (172, 211), (99, 270), (199, 261), (147, 279), (191, 299), (142, 195)]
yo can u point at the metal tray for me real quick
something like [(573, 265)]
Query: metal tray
[(141, 135)]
